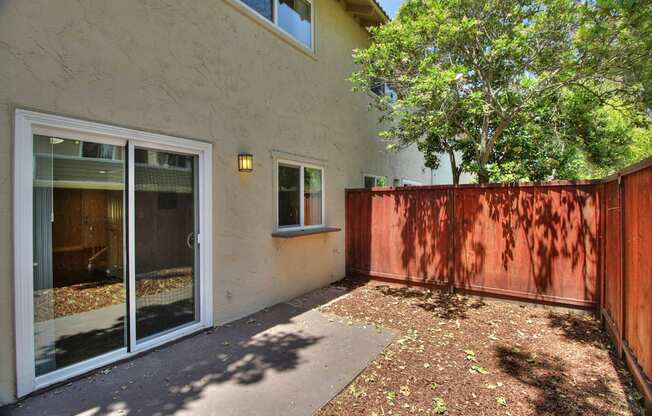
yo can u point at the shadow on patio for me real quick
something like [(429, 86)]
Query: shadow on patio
[(259, 364)]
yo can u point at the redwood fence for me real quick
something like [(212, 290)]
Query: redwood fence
[(528, 241), (626, 272), (582, 244)]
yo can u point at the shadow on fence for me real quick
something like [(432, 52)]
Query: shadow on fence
[(523, 241)]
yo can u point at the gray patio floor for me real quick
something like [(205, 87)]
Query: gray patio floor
[(288, 360)]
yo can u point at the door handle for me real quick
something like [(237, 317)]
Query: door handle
[(190, 240)]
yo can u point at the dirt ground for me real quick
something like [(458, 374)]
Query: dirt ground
[(458, 355)]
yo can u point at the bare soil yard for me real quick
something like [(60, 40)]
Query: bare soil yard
[(458, 355)]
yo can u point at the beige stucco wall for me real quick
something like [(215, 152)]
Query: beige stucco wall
[(200, 69)]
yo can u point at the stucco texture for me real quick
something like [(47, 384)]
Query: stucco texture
[(201, 69)]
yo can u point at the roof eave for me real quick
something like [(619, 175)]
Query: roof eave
[(367, 13)]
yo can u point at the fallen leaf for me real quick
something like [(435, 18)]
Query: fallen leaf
[(439, 405), (479, 369), (470, 355)]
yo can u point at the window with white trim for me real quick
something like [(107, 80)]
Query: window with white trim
[(294, 17), (374, 181), (300, 195)]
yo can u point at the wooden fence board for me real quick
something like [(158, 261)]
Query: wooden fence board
[(612, 249), (432, 238)]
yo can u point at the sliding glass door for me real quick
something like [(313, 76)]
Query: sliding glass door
[(79, 290), (165, 212), (112, 244), (115, 249)]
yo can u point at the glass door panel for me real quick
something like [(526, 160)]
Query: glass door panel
[(165, 221), (79, 274)]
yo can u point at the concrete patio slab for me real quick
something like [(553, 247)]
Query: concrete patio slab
[(287, 360)]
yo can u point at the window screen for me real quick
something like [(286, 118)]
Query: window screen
[(312, 191), (289, 188)]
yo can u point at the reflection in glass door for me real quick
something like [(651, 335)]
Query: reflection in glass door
[(165, 227), (109, 260), (80, 296), (78, 227)]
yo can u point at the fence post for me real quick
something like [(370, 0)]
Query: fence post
[(602, 234), (623, 268), (452, 235)]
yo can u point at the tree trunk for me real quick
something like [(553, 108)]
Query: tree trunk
[(483, 175), (457, 172), (456, 176)]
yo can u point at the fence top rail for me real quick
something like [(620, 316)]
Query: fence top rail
[(511, 185)]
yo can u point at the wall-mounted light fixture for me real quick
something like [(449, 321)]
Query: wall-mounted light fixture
[(245, 162)]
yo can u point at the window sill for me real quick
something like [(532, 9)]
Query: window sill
[(304, 232)]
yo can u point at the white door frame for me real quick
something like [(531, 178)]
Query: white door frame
[(26, 122)]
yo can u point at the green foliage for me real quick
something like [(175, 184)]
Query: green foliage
[(511, 89), (619, 33), (577, 137), (642, 143)]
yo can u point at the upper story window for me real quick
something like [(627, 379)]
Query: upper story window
[(294, 17)]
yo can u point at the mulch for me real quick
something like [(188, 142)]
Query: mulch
[(459, 355), (84, 297)]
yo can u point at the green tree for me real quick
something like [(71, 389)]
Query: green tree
[(618, 33), (572, 135), (474, 78)]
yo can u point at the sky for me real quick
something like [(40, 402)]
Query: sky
[(391, 6)]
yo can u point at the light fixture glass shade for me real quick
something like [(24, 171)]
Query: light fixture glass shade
[(245, 162)]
